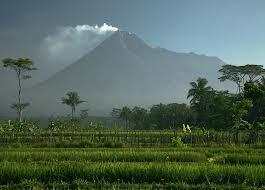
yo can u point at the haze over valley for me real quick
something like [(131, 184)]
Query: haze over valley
[(119, 68)]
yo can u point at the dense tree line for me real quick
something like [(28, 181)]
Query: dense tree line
[(209, 108), (160, 116)]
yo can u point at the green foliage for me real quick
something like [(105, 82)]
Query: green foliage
[(232, 73), (180, 167), (21, 66), (239, 110), (194, 174), (110, 153), (61, 123), (221, 110), (256, 93), (239, 74), (209, 108), (177, 142), (24, 126), (72, 100), (200, 94), (95, 126), (170, 116), (111, 144), (161, 116)]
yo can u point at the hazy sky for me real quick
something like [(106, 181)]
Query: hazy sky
[(233, 30)]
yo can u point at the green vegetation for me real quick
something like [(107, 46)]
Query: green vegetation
[(209, 108), (72, 100), (22, 67), (216, 142), (168, 168)]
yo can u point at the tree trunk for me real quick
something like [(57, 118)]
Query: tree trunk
[(19, 96), (72, 114)]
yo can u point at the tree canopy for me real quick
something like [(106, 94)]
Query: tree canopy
[(22, 68), (72, 100)]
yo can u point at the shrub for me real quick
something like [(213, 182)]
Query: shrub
[(177, 142)]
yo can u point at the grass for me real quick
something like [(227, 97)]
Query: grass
[(102, 156), (81, 184), (256, 159), (69, 171), (87, 138), (216, 167)]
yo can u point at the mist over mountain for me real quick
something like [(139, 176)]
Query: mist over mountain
[(124, 70)]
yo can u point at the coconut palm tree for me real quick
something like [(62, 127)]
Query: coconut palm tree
[(72, 100), (199, 93)]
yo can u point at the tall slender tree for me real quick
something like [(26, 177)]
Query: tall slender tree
[(22, 68), (199, 93), (72, 100)]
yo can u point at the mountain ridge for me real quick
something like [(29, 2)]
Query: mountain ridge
[(122, 33), (123, 70)]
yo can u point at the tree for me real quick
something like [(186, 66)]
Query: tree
[(198, 91), (226, 110), (240, 110), (234, 74), (199, 94), (256, 93), (158, 116), (240, 74), (171, 115), (22, 68), (125, 115), (219, 115), (139, 116), (179, 114), (253, 71), (72, 100)]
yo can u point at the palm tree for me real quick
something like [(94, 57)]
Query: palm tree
[(72, 100), (199, 93)]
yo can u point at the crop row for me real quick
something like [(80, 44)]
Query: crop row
[(223, 156), (192, 173), (101, 156), (130, 138)]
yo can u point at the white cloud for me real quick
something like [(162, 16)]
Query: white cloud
[(100, 30), (69, 43)]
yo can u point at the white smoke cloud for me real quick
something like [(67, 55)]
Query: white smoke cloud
[(68, 44)]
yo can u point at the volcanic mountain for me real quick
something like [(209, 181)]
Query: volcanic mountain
[(124, 70)]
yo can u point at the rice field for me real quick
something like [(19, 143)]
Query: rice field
[(228, 167)]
